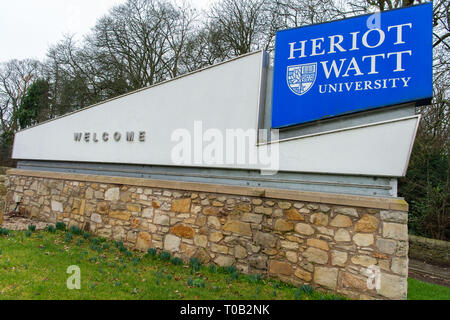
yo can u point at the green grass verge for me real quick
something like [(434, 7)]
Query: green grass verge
[(418, 290), (33, 265)]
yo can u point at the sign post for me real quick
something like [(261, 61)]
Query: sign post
[(331, 69)]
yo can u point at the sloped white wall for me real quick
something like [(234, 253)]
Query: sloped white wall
[(226, 96)]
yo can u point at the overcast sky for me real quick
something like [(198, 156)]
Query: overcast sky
[(29, 27)]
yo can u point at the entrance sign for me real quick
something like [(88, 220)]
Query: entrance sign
[(330, 69), (149, 126)]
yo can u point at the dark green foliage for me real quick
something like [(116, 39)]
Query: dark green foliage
[(426, 186), (69, 237), (230, 270), (50, 229), (28, 234), (254, 278), (128, 254), (165, 256), (4, 232), (195, 264), (32, 228), (61, 226), (303, 290), (76, 231), (199, 283), (106, 246), (86, 235), (135, 261), (151, 252), (35, 104), (95, 241), (176, 261)]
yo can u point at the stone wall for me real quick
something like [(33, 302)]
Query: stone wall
[(429, 250), (320, 242)]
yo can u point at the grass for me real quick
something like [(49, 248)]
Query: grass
[(418, 290), (33, 265)]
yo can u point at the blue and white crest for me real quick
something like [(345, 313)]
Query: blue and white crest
[(301, 78)]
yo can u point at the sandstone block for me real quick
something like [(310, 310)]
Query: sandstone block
[(293, 214), (347, 211), (181, 205), (201, 240), (144, 241), (316, 255), (183, 231), (225, 261), (339, 258), (341, 221), (367, 223), (112, 194), (304, 229), (342, 235), (258, 262), (326, 277), (283, 225), (266, 240), (120, 215), (172, 243), (320, 244), (363, 239), (238, 227), (395, 231), (303, 275), (280, 267), (319, 219)]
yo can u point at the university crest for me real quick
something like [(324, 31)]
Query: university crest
[(301, 78)]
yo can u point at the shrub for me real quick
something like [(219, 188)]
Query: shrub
[(176, 261), (151, 252), (4, 232), (199, 283), (195, 263), (50, 229), (165, 256), (76, 231), (128, 253), (28, 234), (303, 290), (60, 226), (32, 228), (69, 237)]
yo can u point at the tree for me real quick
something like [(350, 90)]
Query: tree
[(35, 104), (237, 27), (15, 79)]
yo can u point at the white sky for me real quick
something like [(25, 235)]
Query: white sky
[(29, 27)]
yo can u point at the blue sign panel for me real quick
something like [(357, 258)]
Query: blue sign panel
[(367, 62)]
